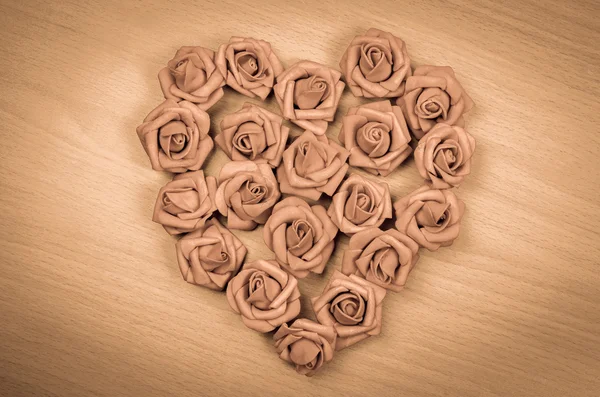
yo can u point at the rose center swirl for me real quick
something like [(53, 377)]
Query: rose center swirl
[(348, 308)]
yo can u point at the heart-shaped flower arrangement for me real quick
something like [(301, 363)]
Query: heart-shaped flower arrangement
[(428, 102)]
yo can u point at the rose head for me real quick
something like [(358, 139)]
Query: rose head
[(443, 156), (175, 136), (306, 344), (360, 204), (376, 65), (185, 203), (312, 166), (308, 94), (433, 95), (301, 236), (264, 295), (383, 258), (353, 306), (192, 76), (249, 66), (429, 216), (247, 192), (210, 256), (253, 133), (376, 136)]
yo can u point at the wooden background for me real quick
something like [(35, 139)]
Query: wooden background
[(91, 298)]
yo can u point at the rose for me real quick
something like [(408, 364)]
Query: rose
[(431, 217), (253, 133), (360, 204), (376, 136), (306, 344), (264, 295), (185, 203), (175, 136), (249, 66), (433, 95), (210, 256), (308, 94), (301, 236), (384, 258), (443, 156), (352, 305), (192, 76), (376, 65), (312, 166), (247, 192)]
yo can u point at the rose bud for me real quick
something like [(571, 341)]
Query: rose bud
[(443, 156), (192, 76), (383, 258), (253, 133), (185, 203), (175, 136), (433, 95), (247, 192), (210, 256), (249, 66), (306, 344), (376, 65), (429, 216), (264, 295), (301, 236), (308, 94)]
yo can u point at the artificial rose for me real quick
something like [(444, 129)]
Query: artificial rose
[(301, 236), (376, 136), (249, 66), (308, 94), (360, 204), (192, 76), (351, 305), (433, 95), (210, 256), (175, 136), (384, 258), (247, 192), (429, 216), (185, 203), (443, 156), (253, 133), (306, 344), (376, 65), (312, 166), (264, 295)]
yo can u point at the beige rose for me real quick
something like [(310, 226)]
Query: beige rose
[(253, 133), (376, 65), (429, 216), (210, 256), (305, 344), (433, 95), (443, 156), (247, 192), (175, 136), (185, 203), (264, 295), (376, 136), (384, 258), (360, 204), (312, 166), (249, 66), (308, 94), (301, 236), (352, 305), (192, 76)]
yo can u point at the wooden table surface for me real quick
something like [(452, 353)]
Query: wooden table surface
[(91, 298)]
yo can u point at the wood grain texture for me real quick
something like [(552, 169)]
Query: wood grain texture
[(91, 298)]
